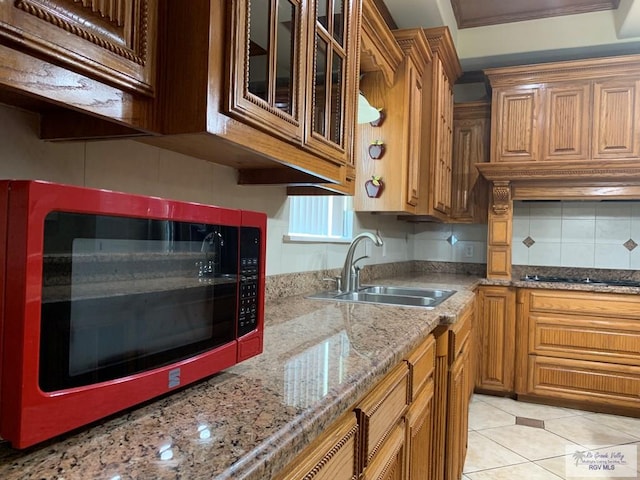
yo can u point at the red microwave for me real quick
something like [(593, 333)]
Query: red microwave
[(111, 299)]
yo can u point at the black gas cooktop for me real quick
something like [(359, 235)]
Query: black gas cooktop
[(585, 280)]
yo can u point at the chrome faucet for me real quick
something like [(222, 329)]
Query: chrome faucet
[(350, 275)]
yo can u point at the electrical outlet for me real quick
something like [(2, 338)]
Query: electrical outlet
[(468, 251), (384, 249)]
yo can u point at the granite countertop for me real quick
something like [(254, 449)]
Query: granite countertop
[(249, 421), (585, 287)]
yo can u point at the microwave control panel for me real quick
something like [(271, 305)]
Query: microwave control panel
[(249, 277)]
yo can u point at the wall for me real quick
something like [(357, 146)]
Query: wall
[(577, 234), (432, 242), (130, 166)]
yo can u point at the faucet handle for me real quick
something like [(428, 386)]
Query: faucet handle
[(358, 259), (337, 280)]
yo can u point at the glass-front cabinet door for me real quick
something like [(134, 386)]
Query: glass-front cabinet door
[(265, 63), (332, 78), (292, 71)]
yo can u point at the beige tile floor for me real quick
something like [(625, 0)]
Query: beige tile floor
[(500, 449)]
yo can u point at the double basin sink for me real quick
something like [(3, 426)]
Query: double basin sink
[(390, 295)]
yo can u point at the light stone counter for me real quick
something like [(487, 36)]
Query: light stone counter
[(249, 421)]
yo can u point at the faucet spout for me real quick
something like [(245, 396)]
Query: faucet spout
[(349, 275)]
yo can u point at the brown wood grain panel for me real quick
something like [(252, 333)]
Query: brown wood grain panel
[(581, 303), (421, 366), (584, 381), (381, 410), (419, 423), (589, 338), (616, 129), (567, 125), (331, 457), (515, 130), (496, 332)]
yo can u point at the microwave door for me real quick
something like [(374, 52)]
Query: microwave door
[(129, 295)]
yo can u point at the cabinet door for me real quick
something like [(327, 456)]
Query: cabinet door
[(415, 132), (616, 117), (266, 47), (419, 423), (514, 125), (470, 146), (332, 77), (113, 40), (379, 412), (332, 457), (496, 339), (444, 139), (457, 415), (388, 463), (567, 120)]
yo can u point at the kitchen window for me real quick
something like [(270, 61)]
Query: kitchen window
[(317, 218)]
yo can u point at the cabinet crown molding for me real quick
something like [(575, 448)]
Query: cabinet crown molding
[(442, 45), (597, 68), (379, 50), (414, 44)]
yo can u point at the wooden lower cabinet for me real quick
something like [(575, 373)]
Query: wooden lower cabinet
[(496, 339), (419, 426), (411, 426), (458, 414), (454, 379), (387, 435), (331, 457), (380, 411), (581, 349), (388, 463)]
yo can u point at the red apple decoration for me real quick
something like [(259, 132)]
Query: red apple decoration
[(379, 121), (376, 149), (374, 187)]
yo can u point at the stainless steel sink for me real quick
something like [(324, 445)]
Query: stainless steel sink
[(409, 291), (390, 295)]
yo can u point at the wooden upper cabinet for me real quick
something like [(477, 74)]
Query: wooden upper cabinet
[(400, 130), (581, 110), (437, 125), (331, 83), (444, 138), (566, 123), (292, 71), (268, 87), (616, 118), (267, 48), (109, 40), (515, 128), (470, 146)]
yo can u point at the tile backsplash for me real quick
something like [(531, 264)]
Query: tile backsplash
[(450, 243), (588, 234)]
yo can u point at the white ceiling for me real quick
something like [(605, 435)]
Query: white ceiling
[(603, 33)]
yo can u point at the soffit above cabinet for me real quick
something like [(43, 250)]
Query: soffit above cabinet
[(477, 13)]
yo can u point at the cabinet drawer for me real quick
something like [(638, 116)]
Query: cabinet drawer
[(388, 462), (583, 381), (459, 333), (331, 457), (381, 410), (421, 364), (588, 338), (585, 303)]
